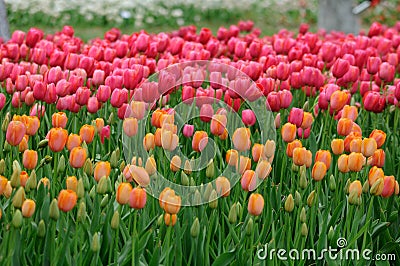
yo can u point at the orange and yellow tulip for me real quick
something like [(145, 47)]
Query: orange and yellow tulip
[(291, 146), (87, 133), (368, 147), (379, 137), (232, 157), (148, 141), (28, 208), (249, 180), (241, 139), (257, 151), (101, 169), (218, 124), (130, 126), (355, 145), (324, 156), (223, 186), (356, 161), (23, 178), (337, 146), (29, 159), (59, 119), (374, 174), (57, 139), (288, 132), (15, 132), (344, 126), (263, 169), (72, 183), (319, 170), (378, 158), (67, 200), (137, 198), (175, 164), (169, 140), (355, 187), (123, 193), (170, 219), (350, 112), (74, 140), (343, 163), (200, 140), (256, 204), (77, 157)]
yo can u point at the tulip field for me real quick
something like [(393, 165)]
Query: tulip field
[(194, 148)]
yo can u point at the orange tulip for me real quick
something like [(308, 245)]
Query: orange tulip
[(45, 182), (136, 161), (166, 119), (137, 198), (176, 163), (57, 139), (200, 140), (374, 174), (379, 137), (140, 175), (249, 180), (130, 126), (23, 178), (337, 146), (232, 157), (8, 190), (157, 137), (263, 169), (343, 163), (223, 186), (170, 127), (300, 156), (378, 158), (170, 202), (15, 132), (169, 140), (355, 145), (67, 200), (23, 145), (3, 184), (324, 156), (123, 193), (74, 140), (59, 119), (350, 112), (291, 146), (355, 187), (101, 169), (308, 158), (29, 159), (170, 220), (288, 132), (138, 109), (28, 208), (389, 184), (356, 128), (72, 183), (148, 141), (269, 148), (156, 117), (356, 161), (318, 171), (344, 126), (244, 164), (308, 119), (241, 139), (338, 100), (151, 166), (224, 135), (257, 151), (256, 204), (32, 124), (87, 133), (348, 139), (77, 157), (368, 147), (99, 123), (218, 124)]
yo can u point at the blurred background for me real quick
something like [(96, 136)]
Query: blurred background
[(91, 18)]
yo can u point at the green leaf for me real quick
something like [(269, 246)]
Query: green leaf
[(225, 258)]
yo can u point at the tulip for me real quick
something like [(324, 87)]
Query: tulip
[(256, 204), (169, 140), (243, 164), (379, 137), (307, 121), (188, 130), (222, 186), (257, 151), (232, 157), (296, 116), (29, 159), (102, 169), (137, 198), (57, 139), (148, 141), (319, 171), (249, 180), (200, 140), (176, 163), (170, 202), (15, 132), (241, 139), (344, 126), (373, 64), (374, 174), (206, 113), (23, 145), (389, 183), (28, 208), (59, 120), (74, 140), (349, 138), (356, 161), (350, 112), (263, 169), (130, 126), (170, 220), (32, 124), (218, 124), (386, 72), (87, 133), (67, 200), (368, 147), (340, 68), (355, 145), (151, 166), (77, 157), (356, 188), (338, 100), (343, 163), (377, 159), (337, 146), (3, 184), (138, 110), (288, 132), (300, 156), (23, 178), (291, 146), (72, 183), (269, 148), (248, 117)]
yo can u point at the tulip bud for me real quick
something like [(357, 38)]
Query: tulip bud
[(332, 183), (346, 186), (122, 166), (192, 182), (114, 158), (6, 121), (32, 181), (61, 164), (303, 215), (297, 198), (54, 212), (41, 231), (289, 203), (104, 185), (7, 146), (184, 179), (365, 187), (43, 144), (304, 229), (353, 198), (197, 198), (295, 168), (232, 217), (195, 229), (249, 227), (310, 198), (18, 198), (110, 119), (160, 220), (213, 200), (115, 220), (376, 187), (2, 166), (80, 191), (88, 167), (207, 192), (92, 192), (303, 180), (104, 201), (17, 219), (331, 233), (15, 179), (95, 245), (86, 183), (210, 171), (81, 215), (239, 209), (7, 190)]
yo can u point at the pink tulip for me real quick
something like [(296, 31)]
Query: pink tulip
[(188, 130), (248, 117)]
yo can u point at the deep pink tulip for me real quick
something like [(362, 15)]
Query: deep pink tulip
[(340, 67), (93, 105), (103, 93), (248, 117), (296, 116), (285, 98), (386, 72), (206, 113), (188, 130), (273, 102)]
